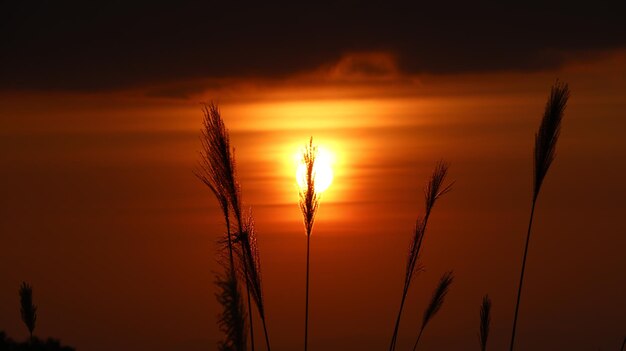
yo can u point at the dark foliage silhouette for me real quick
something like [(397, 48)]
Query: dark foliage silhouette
[(33, 344), (435, 304), (27, 308), (545, 149), (309, 202), (232, 320), (485, 321), (250, 259), (433, 191)]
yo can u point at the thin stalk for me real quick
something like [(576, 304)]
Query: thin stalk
[(418, 338), (521, 278), (395, 329), (230, 244), (267, 338), (306, 310), (623, 344), (250, 316)]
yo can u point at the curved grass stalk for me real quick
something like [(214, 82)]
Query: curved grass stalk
[(545, 149)]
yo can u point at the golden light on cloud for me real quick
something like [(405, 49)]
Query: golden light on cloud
[(322, 169)]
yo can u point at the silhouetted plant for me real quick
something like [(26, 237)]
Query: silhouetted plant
[(485, 321), (27, 308), (309, 202), (435, 304), (217, 171), (433, 191), (545, 148), (623, 344)]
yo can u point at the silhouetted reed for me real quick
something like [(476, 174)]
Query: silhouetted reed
[(545, 148), (309, 202), (217, 170), (485, 321), (623, 344), (433, 191), (435, 304), (27, 308)]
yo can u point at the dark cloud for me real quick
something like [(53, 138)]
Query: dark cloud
[(58, 45)]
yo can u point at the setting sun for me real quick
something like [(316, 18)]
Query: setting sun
[(322, 170)]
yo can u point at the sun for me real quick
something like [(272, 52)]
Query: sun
[(322, 170)]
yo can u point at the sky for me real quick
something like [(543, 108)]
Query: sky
[(100, 117)]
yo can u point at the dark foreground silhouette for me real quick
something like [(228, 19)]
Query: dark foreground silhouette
[(8, 344)]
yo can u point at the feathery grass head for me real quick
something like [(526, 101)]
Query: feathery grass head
[(548, 133), (309, 198), (412, 258), (485, 321), (216, 168), (250, 259), (438, 298), (435, 189), (232, 320), (27, 308)]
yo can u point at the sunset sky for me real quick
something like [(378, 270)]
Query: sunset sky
[(100, 117)]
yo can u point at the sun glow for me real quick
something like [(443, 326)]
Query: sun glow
[(322, 170)]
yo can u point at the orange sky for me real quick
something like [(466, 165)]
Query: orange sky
[(100, 210)]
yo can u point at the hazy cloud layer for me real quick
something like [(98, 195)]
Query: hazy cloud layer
[(114, 45)]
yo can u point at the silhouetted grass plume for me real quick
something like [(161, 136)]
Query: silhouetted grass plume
[(436, 302), (217, 170), (485, 321), (545, 149), (309, 202), (27, 308), (432, 192)]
